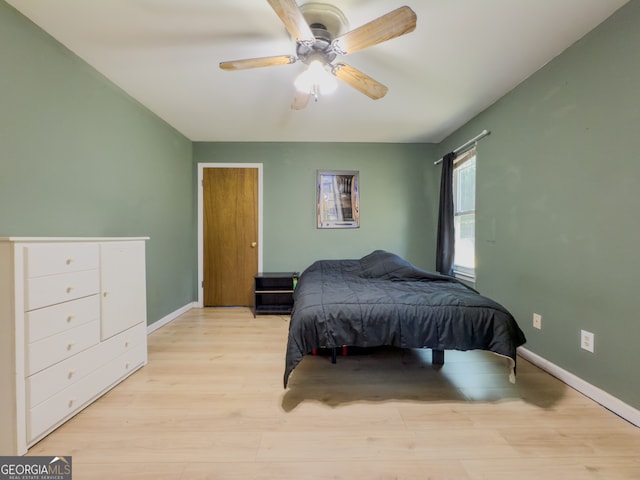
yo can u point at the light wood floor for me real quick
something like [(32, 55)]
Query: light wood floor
[(210, 405)]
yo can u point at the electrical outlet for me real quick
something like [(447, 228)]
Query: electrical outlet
[(587, 340), (537, 321)]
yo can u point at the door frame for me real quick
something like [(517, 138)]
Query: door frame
[(201, 167)]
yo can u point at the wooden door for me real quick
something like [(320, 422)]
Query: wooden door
[(230, 235)]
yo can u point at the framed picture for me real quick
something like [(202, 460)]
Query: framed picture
[(338, 198)]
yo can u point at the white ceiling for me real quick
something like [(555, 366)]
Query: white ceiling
[(462, 57)]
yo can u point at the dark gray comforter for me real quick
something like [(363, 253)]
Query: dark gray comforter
[(383, 300)]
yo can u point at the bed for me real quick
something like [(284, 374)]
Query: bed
[(383, 300)]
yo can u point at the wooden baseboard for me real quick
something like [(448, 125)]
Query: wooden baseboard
[(605, 399)]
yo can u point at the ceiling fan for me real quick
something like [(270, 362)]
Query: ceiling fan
[(320, 32)]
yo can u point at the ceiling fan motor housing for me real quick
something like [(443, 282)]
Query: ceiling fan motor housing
[(320, 50), (326, 23)]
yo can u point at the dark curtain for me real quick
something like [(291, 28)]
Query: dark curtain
[(446, 235)]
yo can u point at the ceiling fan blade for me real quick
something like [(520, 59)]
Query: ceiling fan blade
[(392, 25), (293, 20), (300, 100), (358, 80), (257, 62)]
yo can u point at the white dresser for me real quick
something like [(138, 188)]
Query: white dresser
[(72, 326)]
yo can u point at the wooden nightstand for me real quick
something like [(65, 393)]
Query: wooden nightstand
[(273, 293)]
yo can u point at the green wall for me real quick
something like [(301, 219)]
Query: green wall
[(558, 194), (78, 157), (397, 193)]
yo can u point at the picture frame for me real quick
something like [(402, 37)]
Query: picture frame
[(338, 198)]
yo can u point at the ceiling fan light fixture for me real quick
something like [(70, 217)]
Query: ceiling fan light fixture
[(316, 80)]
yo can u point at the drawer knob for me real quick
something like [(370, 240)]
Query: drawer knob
[(69, 289), (126, 344), (126, 366), (70, 345), (71, 402), (69, 318), (69, 261), (71, 373), (104, 294)]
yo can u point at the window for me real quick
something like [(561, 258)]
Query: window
[(464, 204)]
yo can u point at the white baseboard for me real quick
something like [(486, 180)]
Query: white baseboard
[(605, 399), (169, 318)]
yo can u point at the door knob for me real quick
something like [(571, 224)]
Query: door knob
[(253, 244)]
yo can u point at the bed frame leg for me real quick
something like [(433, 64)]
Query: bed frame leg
[(333, 355), (437, 357)]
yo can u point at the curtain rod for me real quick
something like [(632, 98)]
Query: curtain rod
[(482, 134)]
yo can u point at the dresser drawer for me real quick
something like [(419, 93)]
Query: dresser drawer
[(51, 258), (51, 350), (56, 378), (47, 321), (66, 403), (53, 289)]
